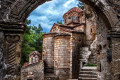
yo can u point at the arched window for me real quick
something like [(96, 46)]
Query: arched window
[(37, 59), (66, 20), (73, 18), (33, 59), (78, 19)]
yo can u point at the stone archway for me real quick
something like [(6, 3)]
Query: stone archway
[(13, 14)]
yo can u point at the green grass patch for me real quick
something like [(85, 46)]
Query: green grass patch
[(91, 65)]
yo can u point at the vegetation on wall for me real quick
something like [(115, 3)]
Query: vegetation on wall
[(80, 5), (32, 41), (59, 22)]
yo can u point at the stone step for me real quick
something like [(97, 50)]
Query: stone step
[(80, 78), (88, 75), (87, 72), (89, 69)]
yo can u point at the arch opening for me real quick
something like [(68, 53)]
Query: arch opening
[(96, 14)]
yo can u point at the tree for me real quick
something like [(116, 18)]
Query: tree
[(80, 5), (59, 22), (32, 40)]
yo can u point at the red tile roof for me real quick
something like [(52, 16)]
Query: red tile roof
[(25, 64), (75, 9), (35, 53)]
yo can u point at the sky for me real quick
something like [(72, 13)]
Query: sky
[(50, 12)]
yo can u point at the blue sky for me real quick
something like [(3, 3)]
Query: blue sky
[(50, 12)]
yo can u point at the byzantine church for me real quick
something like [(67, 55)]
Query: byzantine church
[(66, 49)]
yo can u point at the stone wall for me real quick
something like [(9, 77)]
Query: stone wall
[(76, 41), (80, 28), (100, 47), (33, 71), (90, 25), (62, 56), (48, 51)]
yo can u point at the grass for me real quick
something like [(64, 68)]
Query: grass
[(91, 65)]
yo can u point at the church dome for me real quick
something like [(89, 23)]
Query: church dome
[(75, 9)]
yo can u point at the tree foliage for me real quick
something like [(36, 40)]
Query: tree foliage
[(59, 22), (80, 5), (32, 41)]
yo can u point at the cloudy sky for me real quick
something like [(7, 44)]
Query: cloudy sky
[(50, 12)]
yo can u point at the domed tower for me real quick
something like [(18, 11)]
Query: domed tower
[(34, 57), (74, 15)]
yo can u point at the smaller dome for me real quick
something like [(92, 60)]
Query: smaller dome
[(75, 9)]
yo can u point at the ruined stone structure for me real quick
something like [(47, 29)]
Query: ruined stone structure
[(34, 69), (13, 14)]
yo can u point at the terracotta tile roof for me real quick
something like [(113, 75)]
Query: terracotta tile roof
[(62, 25), (34, 53), (62, 34), (25, 64), (51, 33), (75, 9)]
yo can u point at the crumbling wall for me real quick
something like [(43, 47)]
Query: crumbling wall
[(100, 47), (33, 71), (90, 25)]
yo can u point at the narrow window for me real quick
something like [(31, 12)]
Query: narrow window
[(91, 30), (78, 19), (73, 18), (66, 20)]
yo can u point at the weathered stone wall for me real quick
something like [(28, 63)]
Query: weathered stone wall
[(33, 71), (80, 28), (90, 25), (62, 56), (76, 41), (116, 58), (100, 48), (105, 67), (48, 50)]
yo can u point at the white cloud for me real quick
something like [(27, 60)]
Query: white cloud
[(68, 2), (50, 12), (47, 26)]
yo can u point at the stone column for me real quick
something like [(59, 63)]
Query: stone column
[(12, 49), (115, 37)]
